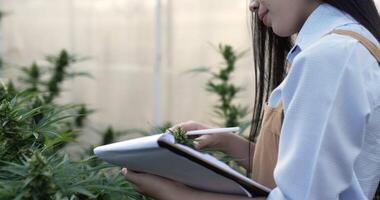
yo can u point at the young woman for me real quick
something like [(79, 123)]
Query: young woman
[(329, 103)]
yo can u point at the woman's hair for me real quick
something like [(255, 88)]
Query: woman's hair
[(269, 54), (270, 51)]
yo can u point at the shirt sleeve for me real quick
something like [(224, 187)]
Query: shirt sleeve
[(326, 112)]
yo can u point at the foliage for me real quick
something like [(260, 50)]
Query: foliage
[(2, 14), (32, 133), (57, 177), (230, 113), (181, 137)]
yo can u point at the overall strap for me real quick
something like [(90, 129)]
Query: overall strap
[(375, 51)]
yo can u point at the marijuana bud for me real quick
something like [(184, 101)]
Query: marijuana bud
[(181, 137)]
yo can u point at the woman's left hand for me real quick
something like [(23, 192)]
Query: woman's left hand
[(155, 186), (164, 189)]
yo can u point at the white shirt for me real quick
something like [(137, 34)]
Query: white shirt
[(330, 138)]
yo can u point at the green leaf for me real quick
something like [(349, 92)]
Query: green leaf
[(199, 70), (83, 191)]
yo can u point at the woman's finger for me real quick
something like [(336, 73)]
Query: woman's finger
[(201, 142), (189, 126), (129, 175), (133, 179), (135, 187)]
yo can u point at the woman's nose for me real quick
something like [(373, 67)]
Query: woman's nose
[(254, 5)]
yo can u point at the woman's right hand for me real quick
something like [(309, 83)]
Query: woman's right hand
[(210, 141), (234, 145)]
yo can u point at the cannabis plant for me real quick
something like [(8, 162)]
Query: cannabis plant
[(228, 112), (33, 131), (180, 137), (220, 84)]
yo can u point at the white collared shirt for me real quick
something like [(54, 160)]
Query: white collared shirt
[(330, 138)]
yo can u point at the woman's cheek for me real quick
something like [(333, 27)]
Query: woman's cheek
[(282, 28)]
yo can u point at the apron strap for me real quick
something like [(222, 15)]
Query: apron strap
[(375, 51)]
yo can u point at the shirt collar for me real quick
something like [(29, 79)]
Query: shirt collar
[(321, 21)]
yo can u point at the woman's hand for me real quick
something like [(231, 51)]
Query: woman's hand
[(156, 187), (190, 126), (210, 141), (235, 146), (163, 189)]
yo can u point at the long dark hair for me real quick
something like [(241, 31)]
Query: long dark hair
[(270, 50), (269, 53)]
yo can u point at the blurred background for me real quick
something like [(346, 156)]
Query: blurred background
[(139, 52)]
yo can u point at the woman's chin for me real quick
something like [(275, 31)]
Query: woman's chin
[(281, 32)]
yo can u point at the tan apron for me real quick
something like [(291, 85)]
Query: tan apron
[(266, 148)]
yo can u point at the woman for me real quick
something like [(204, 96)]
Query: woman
[(330, 134)]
